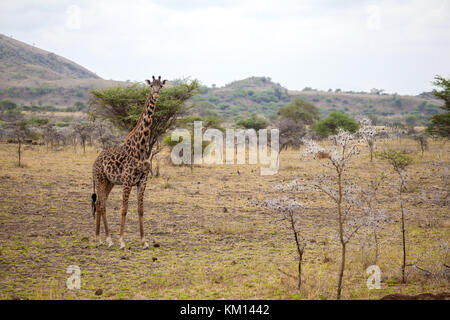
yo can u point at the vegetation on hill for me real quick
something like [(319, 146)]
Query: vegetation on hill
[(21, 61), (39, 79), (259, 95), (31, 76)]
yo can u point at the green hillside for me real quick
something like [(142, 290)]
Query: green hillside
[(33, 77), (259, 95)]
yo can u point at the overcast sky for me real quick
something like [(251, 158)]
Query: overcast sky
[(354, 45)]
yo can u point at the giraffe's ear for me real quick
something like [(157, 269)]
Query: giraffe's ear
[(164, 82), (148, 81)]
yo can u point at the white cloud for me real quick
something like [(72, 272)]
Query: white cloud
[(355, 45)]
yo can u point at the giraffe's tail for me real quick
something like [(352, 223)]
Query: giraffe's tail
[(94, 198)]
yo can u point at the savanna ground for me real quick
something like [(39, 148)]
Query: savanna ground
[(213, 243)]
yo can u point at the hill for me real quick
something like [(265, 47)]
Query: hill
[(29, 75), (34, 77), (260, 95), (20, 61)]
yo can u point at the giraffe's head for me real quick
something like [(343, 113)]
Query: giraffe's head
[(156, 85)]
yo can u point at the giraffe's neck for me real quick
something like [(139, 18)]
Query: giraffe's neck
[(138, 138)]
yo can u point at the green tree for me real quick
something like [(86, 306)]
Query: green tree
[(411, 120), (207, 122), (253, 122), (38, 122), (7, 105), (440, 123), (300, 111), (78, 106), (123, 106), (333, 122)]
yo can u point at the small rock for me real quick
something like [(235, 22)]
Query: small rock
[(98, 292), (225, 209), (156, 245), (154, 259)]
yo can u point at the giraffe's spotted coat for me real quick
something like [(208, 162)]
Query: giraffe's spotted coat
[(126, 165)]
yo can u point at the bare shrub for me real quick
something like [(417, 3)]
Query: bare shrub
[(368, 134), (399, 162), (290, 211)]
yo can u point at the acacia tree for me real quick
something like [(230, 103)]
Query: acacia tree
[(375, 217), (440, 123), (123, 106), (335, 121), (291, 133), (106, 134), (368, 133), (83, 130), (253, 122), (293, 120), (346, 196), (49, 135), (20, 131), (300, 111), (399, 162), (188, 123)]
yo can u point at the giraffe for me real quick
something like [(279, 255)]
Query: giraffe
[(126, 165)]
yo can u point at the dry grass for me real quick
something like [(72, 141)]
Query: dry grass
[(213, 243)]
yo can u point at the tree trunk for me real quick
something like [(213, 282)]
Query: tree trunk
[(403, 236), (341, 236), (341, 271), (376, 246), (300, 260), (19, 151)]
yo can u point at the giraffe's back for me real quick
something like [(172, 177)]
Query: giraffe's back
[(117, 165)]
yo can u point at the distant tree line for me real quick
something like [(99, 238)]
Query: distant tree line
[(7, 105)]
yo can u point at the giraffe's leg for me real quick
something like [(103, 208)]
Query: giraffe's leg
[(105, 223), (125, 196), (140, 193), (100, 205)]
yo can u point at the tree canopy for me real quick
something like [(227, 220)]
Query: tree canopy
[(123, 106), (333, 122), (440, 123), (300, 111), (253, 122)]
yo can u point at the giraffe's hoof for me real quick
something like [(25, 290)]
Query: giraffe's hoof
[(110, 243), (145, 245), (122, 245)]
